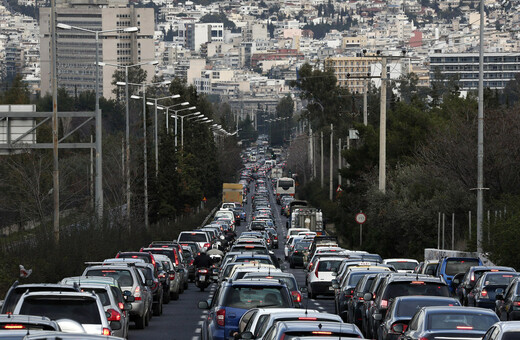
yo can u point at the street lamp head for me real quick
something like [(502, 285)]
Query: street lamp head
[(185, 103), (153, 62), (120, 83), (149, 103), (166, 82), (64, 26), (101, 63), (191, 108), (135, 97), (131, 29), (176, 96)]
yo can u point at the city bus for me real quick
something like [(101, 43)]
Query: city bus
[(284, 186)]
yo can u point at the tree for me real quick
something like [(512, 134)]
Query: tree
[(17, 92)]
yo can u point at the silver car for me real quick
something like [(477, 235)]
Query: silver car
[(131, 279)]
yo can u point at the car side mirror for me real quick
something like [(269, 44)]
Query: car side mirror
[(149, 282), (129, 298), (304, 290), (246, 335), (334, 274), (499, 294), (367, 297), (115, 325), (398, 328), (378, 317), (335, 284), (203, 305), (127, 293)]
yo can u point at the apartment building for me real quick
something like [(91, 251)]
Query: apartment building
[(76, 49), (349, 70), (499, 68)]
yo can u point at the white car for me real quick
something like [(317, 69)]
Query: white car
[(290, 244), (296, 231), (320, 276), (402, 265)]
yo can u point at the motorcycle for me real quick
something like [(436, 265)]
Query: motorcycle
[(202, 278)]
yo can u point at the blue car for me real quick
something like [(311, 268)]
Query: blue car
[(233, 299), (450, 266)]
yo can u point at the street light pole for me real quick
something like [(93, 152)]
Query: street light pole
[(480, 148), (145, 155)]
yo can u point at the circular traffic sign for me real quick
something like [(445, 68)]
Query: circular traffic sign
[(361, 218)]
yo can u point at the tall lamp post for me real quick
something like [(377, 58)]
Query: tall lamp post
[(156, 138), (99, 151), (198, 114), (167, 108), (145, 152), (127, 128)]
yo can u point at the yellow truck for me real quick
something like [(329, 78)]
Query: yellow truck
[(232, 192)]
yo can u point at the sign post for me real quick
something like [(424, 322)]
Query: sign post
[(361, 219)]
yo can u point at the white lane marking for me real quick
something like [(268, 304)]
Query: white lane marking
[(321, 308), (195, 338), (200, 323), (198, 330)]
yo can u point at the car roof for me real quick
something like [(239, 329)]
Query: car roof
[(414, 277), (256, 282), (105, 280), (325, 326), (26, 319), (458, 309), (68, 336), (509, 326), (61, 294), (400, 260), (424, 297), (331, 258)]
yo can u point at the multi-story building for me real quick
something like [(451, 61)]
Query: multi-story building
[(199, 34), (499, 69), (76, 49), (349, 71)]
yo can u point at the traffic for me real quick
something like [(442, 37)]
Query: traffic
[(264, 266)]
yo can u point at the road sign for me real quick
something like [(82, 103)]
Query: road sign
[(204, 199), (361, 218), (339, 189)]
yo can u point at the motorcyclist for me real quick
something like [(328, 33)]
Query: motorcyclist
[(202, 260), (216, 254)]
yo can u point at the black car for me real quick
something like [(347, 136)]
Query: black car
[(483, 294), (401, 284), (299, 254), (358, 297), (507, 305), (471, 276), (367, 321), (401, 311), (431, 323)]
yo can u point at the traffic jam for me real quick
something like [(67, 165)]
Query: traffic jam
[(264, 266)]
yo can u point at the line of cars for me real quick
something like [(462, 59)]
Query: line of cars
[(101, 302)]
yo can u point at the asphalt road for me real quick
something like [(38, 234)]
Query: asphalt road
[(182, 319)]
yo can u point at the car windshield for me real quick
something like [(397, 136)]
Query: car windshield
[(84, 311), (406, 288), (355, 277), (459, 321), (407, 308), (328, 266), (403, 265), (124, 277), (196, 237), (290, 282), (456, 266), (256, 296)]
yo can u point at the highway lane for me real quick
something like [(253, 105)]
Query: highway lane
[(182, 319)]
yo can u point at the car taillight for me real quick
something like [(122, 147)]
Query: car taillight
[(106, 331), (172, 276), (191, 262), (221, 317), (322, 333), (276, 237), (207, 245), (14, 326), (162, 276), (137, 294), (316, 271), (466, 328), (297, 297), (384, 303), (473, 276), (399, 330), (307, 318), (121, 305), (114, 315), (349, 292), (484, 294), (203, 271), (516, 303)]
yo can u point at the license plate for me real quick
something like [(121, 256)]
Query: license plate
[(330, 288), (202, 278)]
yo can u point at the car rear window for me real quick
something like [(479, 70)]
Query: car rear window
[(252, 249), (291, 284), (195, 237), (302, 246), (123, 277), (328, 266), (264, 261), (459, 321), (355, 277), (84, 311), (400, 288), (298, 334), (102, 293), (499, 279), (145, 256), (403, 265), (454, 266), (15, 294), (256, 296), (407, 308)]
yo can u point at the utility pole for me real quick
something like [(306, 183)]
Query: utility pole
[(54, 87), (382, 129), (365, 102), (146, 222), (339, 161), (322, 180), (331, 160), (311, 158), (480, 151)]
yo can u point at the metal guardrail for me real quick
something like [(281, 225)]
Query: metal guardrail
[(211, 213)]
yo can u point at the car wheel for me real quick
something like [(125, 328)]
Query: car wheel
[(157, 309), (167, 297), (147, 318), (140, 322)]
